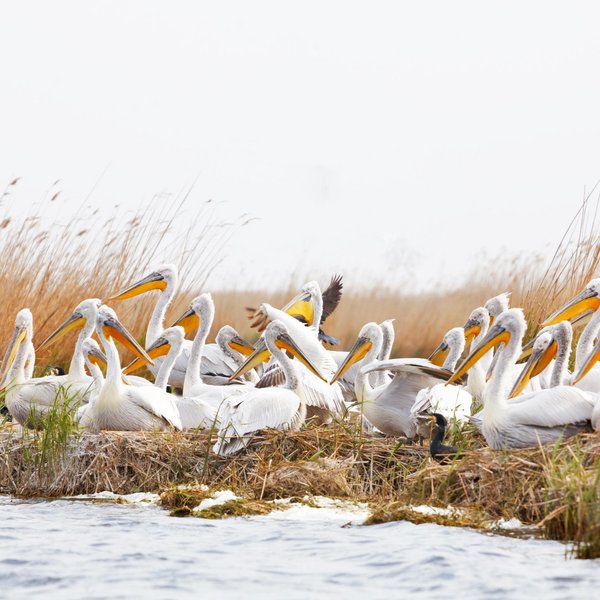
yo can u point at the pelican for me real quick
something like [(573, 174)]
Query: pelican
[(575, 310), (579, 376), (475, 330), (309, 304), (93, 358), (125, 407), (168, 344), (587, 299), (303, 308), (550, 342), (200, 316), (84, 317), (165, 279), (388, 406), (378, 378), (279, 408), (29, 399), (322, 400), (236, 349), (452, 401), (539, 417), (194, 412), (497, 305)]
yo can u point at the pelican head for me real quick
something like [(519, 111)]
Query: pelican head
[(497, 305), (109, 327), (201, 310), (277, 337), (478, 321), (92, 353), (586, 300), (159, 279), (455, 338), (23, 330), (85, 312), (510, 323), (229, 337), (302, 306), (169, 338), (370, 338), (260, 354), (543, 351)]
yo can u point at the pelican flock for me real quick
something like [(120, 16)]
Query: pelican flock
[(291, 376)]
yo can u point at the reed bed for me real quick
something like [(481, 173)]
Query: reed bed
[(50, 269)]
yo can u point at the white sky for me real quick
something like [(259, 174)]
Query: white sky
[(365, 136)]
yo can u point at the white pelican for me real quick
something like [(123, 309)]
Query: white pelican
[(538, 417), (579, 376), (169, 344), (84, 317), (236, 349), (388, 406), (495, 307), (195, 412), (165, 279), (29, 399), (481, 372), (322, 400), (279, 408), (575, 310), (346, 381), (587, 299), (126, 407), (200, 316), (93, 358), (309, 306), (475, 330), (584, 349), (451, 401), (550, 342)]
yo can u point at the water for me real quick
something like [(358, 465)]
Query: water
[(74, 549)]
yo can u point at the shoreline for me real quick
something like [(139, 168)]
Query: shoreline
[(552, 491)]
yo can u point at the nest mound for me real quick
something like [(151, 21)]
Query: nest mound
[(556, 488)]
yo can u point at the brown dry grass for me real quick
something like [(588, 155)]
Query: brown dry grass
[(556, 488), (51, 269), (329, 460)]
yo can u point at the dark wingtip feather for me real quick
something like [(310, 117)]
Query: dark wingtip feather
[(332, 296)]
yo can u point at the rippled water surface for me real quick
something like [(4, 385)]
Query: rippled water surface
[(76, 549)]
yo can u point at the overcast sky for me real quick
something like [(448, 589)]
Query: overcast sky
[(366, 137)]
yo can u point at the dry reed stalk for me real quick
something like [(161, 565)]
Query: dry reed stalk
[(50, 269)]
